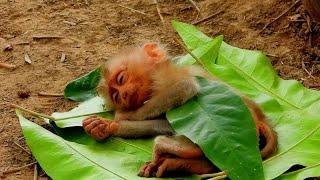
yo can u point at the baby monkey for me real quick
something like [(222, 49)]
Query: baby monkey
[(142, 85)]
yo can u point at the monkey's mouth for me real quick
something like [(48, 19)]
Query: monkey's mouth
[(133, 101), (137, 99)]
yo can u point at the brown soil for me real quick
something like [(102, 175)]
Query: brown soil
[(94, 30)]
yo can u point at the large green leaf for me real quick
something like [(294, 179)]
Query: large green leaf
[(220, 123), (84, 87), (292, 107), (190, 34), (61, 159)]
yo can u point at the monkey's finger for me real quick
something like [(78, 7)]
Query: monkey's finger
[(93, 124), (103, 129), (88, 120), (97, 134)]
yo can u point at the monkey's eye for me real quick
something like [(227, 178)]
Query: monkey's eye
[(116, 97), (121, 78)]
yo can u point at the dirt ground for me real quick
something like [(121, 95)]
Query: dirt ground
[(92, 31)]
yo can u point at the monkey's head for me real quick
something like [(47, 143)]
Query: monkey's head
[(127, 79)]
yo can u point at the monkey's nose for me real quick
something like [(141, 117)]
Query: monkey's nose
[(124, 95)]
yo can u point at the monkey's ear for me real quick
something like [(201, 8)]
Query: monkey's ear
[(154, 52)]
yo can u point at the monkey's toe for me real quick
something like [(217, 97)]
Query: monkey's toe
[(147, 170)]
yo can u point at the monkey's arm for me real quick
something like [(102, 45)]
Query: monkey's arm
[(100, 128), (164, 100), (146, 128)]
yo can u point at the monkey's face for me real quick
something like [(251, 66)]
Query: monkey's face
[(130, 86), (128, 77)]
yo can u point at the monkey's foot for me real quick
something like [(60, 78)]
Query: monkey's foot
[(195, 166), (99, 128), (148, 169)]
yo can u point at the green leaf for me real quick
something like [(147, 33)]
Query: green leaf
[(114, 159), (190, 34), (208, 51), (257, 69), (291, 107), (75, 116), (84, 87), (220, 123)]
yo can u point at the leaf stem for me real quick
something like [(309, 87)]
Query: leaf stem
[(33, 113), (189, 52), (88, 114)]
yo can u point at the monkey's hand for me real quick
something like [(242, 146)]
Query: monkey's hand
[(99, 128)]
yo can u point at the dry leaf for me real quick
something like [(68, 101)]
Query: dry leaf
[(27, 58)]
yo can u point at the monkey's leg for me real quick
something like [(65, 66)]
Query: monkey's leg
[(176, 153), (100, 128)]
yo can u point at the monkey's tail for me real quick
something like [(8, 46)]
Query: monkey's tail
[(271, 140)]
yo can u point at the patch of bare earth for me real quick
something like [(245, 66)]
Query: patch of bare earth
[(92, 31)]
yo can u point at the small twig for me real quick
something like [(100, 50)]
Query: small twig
[(195, 5), (21, 147), (50, 94), (70, 23), (208, 17), (299, 20), (158, 10), (39, 115), (314, 86), (213, 175), (134, 10), (22, 43), (305, 69), (18, 168), (7, 66), (37, 37), (35, 172), (272, 55), (283, 13)]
